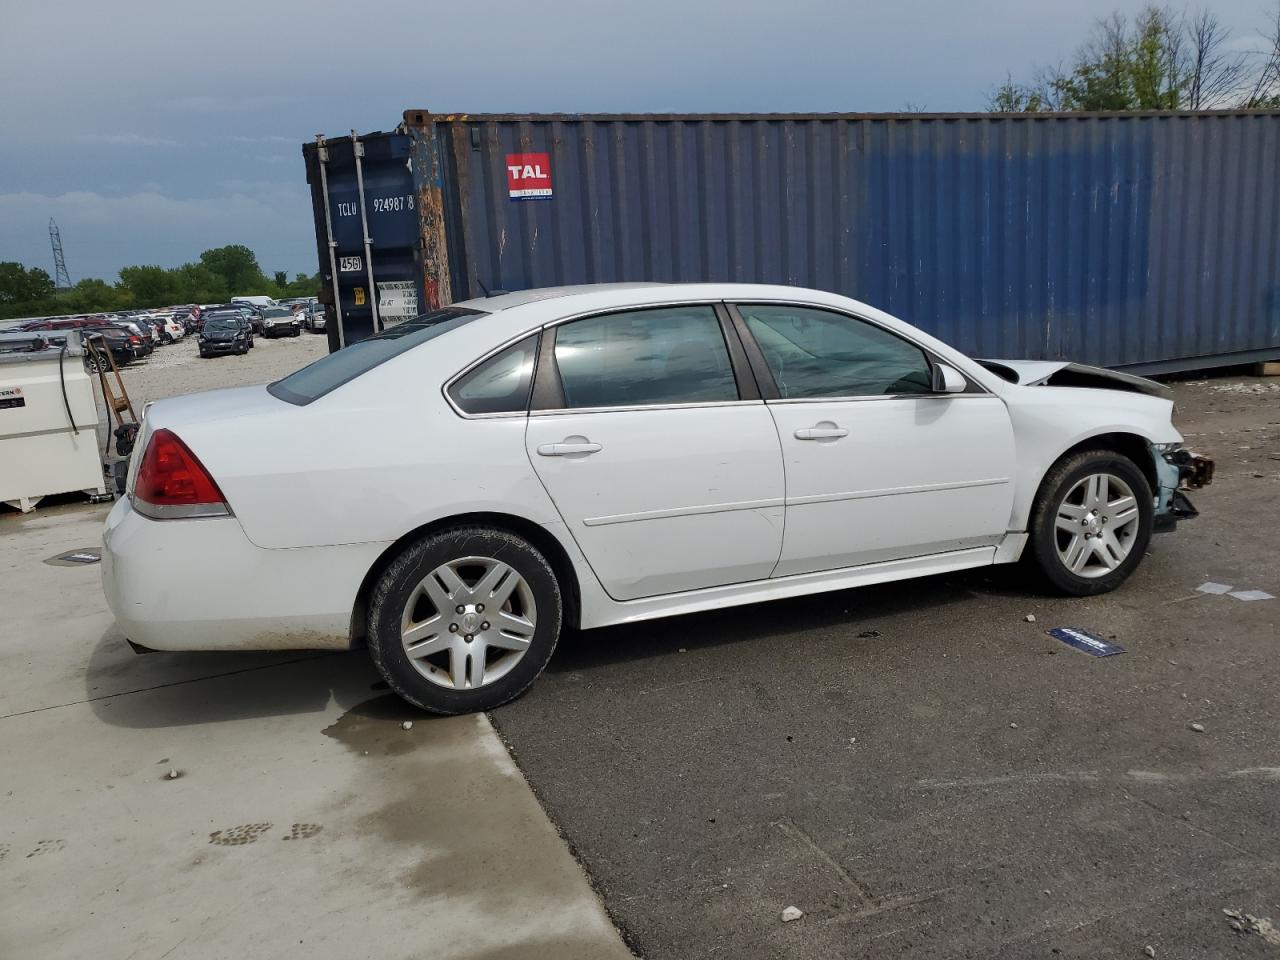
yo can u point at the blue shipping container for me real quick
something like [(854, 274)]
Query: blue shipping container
[(1144, 241)]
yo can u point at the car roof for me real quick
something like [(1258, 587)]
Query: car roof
[(512, 315), (518, 298)]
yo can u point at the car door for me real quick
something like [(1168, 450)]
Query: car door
[(651, 439), (878, 465)]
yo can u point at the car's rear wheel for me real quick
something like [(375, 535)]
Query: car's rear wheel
[(464, 619), (1091, 522)]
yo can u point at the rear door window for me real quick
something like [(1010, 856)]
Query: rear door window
[(327, 374)]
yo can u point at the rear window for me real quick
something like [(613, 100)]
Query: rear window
[(327, 374)]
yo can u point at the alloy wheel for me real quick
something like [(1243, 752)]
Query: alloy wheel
[(1096, 525), (468, 622)]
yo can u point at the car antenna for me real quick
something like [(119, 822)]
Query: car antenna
[(482, 286)]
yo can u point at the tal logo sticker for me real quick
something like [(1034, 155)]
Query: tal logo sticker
[(529, 176)]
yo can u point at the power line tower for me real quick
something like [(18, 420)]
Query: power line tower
[(61, 279)]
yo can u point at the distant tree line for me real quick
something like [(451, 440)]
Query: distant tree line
[(1160, 60), (217, 276)]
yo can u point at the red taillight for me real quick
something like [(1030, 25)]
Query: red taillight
[(172, 482), (133, 339)]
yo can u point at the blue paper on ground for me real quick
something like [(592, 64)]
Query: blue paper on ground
[(1090, 643)]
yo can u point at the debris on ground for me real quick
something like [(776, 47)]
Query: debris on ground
[(1149, 950), (171, 775), (1215, 588), (791, 913), (1245, 388), (1013, 726), (407, 725), (1030, 618), (868, 634), (1251, 595), (1085, 641), (1247, 923), (1197, 727)]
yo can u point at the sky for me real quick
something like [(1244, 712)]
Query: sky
[(154, 130)]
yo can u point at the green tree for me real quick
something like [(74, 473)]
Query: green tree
[(237, 266), (1161, 60), (149, 285), (20, 285), (281, 279), (302, 286)]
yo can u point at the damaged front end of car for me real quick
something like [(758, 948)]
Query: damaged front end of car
[(1177, 470)]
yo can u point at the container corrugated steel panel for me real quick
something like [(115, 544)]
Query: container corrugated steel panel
[(1149, 241)]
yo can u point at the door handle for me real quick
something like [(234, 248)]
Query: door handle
[(568, 447), (826, 430)]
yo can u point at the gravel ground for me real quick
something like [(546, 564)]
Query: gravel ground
[(178, 369)]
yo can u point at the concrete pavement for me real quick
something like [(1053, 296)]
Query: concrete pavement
[(304, 820)]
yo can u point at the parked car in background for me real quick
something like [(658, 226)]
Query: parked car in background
[(246, 310), (167, 329), (174, 327), (280, 322), (253, 313), (674, 448), (187, 316), (315, 321), (127, 340), (257, 301), (121, 344), (145, 332), (225, 332)]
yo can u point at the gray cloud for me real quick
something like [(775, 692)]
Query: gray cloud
[(126, 140), (194, 107)]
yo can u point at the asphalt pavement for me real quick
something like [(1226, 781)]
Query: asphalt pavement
[(922, 771)]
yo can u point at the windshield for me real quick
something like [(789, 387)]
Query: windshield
[(277, 312), (221, 324), (329, 373)]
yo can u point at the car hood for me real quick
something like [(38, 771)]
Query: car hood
[(1062, 373)]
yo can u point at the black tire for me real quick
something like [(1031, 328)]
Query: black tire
[(1042, 551), (401, 579)]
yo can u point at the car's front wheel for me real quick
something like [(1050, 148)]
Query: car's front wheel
[(464, 619), (1091, 522)]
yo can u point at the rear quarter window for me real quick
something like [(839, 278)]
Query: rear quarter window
[(328, 373)]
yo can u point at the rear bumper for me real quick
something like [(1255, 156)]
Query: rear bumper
[(199, 585)]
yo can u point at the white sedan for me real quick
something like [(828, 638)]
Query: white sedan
[(456, 490)]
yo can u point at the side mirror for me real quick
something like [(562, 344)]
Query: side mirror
[(948, 379)]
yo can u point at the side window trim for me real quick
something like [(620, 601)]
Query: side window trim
[(764, 375), (755, 356), (548, 390), (743, 375)]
